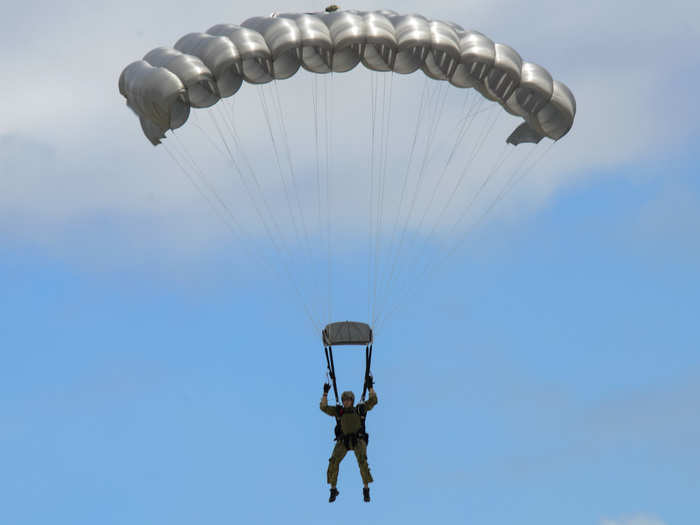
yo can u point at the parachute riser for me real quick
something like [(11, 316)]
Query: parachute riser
[(368, 363), (331, 370)]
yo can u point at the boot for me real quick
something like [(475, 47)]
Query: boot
[(365, 493), (334, 494)]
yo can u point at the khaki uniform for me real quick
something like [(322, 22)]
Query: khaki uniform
[(350, 423)]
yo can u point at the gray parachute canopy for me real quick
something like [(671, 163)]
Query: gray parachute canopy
[(205, 67)]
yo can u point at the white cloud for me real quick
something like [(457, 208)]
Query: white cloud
[(637, 519)]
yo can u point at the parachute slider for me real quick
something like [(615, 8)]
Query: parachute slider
[(347, 333)]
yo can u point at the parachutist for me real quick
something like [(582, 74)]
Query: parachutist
[(332, 8), (350, 434)]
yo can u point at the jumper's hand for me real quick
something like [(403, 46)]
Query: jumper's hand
[(326, 388)]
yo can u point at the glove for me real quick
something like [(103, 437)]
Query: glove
[(370, 381), (326, 388)]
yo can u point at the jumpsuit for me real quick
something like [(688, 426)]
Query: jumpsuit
[(351, 424)]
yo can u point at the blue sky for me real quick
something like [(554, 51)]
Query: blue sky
[(152, 372)]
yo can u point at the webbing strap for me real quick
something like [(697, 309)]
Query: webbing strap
[(331, 370), (368, 363)]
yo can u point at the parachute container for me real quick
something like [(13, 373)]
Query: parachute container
[(347, 333)]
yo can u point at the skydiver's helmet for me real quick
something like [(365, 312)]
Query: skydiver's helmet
[(348, 395)]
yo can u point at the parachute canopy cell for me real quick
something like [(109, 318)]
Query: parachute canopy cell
[(347, 333), (202, 68)]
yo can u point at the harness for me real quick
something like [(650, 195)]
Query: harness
[(350, 440)]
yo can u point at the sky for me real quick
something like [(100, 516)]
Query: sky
[(161, 364)]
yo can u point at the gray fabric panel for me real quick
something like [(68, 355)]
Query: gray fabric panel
[(441, 62), (220, 55), (347, 333), (283, 38), (557, 116), (195, 76), (524, 133), (535, 90)]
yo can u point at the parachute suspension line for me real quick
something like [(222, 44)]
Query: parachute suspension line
[(379, 98), (235, 228), (417, 259), (278, 244), (507, 188), (483, 185), (439, 101), (383, 152), (419, 119), (235, 164), (226, 214), (372, 146), (460, 125), (203, 182), (277, 104), (292, 172), (328, 131), (314, 99), (222, 211), (266, 112), (282, 152), (370, 250), (386, 148), (208, 137), (516, 176), (478, 144), (279, 248), (432, 133), (216, 203), (466, 101), (430, 269), (516, 180), (463, 125)]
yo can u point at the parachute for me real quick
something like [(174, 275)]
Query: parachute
[(203, 69)]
